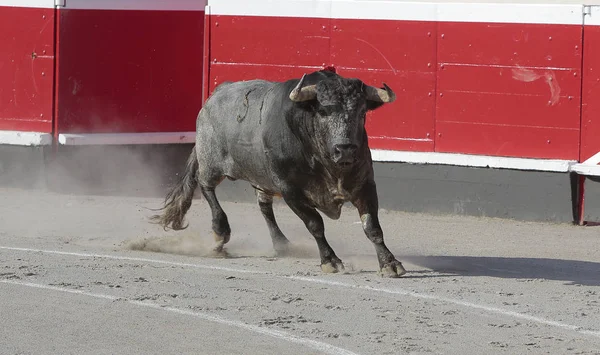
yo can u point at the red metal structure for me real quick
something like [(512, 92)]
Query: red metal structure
[(503, 85), (27, 68)]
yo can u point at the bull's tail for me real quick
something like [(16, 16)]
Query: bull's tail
[(179, 199)]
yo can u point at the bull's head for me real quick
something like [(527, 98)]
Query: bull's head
[(340, 106)]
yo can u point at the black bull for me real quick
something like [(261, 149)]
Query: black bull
[(303, 140)]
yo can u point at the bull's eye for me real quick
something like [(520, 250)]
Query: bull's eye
[(328, 110)]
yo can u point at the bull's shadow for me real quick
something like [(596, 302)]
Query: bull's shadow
[(572, 272)]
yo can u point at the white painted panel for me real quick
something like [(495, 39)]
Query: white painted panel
[(46, 4), (472, 160), (25, 138), (592, 16), (531, 13), (157, 5), (127, 138), (383, 10), (563, 14), (277, 8)]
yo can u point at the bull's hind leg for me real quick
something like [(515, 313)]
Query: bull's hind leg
[(313, 221), (220, 224), (280, 242)]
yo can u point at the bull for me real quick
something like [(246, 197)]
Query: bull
[(303, 140)]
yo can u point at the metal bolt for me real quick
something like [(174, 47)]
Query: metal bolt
[(441, 94), (574, 74), (41, 115), (549, 78), (548, 141), (439, 134), (428, 135), (324, 27), (570, 97), (215, 60), (428, 65), (441, 66), (549, 103), (216, 24), (335, 27), (43, 17), (44, 51), (430, 94), (428, 34), (576, 47), (43, 74), (549, 38), (442, 35)]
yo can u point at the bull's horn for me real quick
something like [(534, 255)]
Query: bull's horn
[(381, 95), (303, 93)]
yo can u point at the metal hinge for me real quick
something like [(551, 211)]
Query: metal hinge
[(59, 3), (587, 10)]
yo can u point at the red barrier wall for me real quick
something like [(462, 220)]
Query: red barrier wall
[(509, 89), (128, 69), (26, 68), (242, 47), (508, 85), (590, 108), (401, 54)]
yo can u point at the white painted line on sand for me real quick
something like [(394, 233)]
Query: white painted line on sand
[(393, 291), (116, 257), (398, 291), (314, 344)]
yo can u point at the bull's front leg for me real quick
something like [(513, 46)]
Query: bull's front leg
[(313, 221), (368, 205)]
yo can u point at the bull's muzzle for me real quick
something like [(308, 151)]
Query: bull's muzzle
[(344, 154)]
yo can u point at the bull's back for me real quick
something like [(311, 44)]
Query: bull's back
[(231, 126)]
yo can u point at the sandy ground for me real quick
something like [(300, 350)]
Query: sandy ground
[(70, 283)]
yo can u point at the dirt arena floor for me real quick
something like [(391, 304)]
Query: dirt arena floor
[(91, 275)]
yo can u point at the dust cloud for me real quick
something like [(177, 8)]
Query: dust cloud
[(194, 245)]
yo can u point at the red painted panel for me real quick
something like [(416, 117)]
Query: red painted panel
[(510, 44), (26, 68), (129, 71), (401, 54), (270, 40), (590, 116), (508, 96), (507, 110), (390, 45), (498, 140), (509, 90), (220, 73), (556, 84), (407, 123)]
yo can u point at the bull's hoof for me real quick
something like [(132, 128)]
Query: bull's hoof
[(392, 270), (332, 267), (282, 248), (224, 239), (218, 251)]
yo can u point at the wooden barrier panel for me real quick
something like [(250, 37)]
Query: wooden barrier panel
[(590, 105), (485, 79), (510, 89), (26, 66), (130, 66)]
